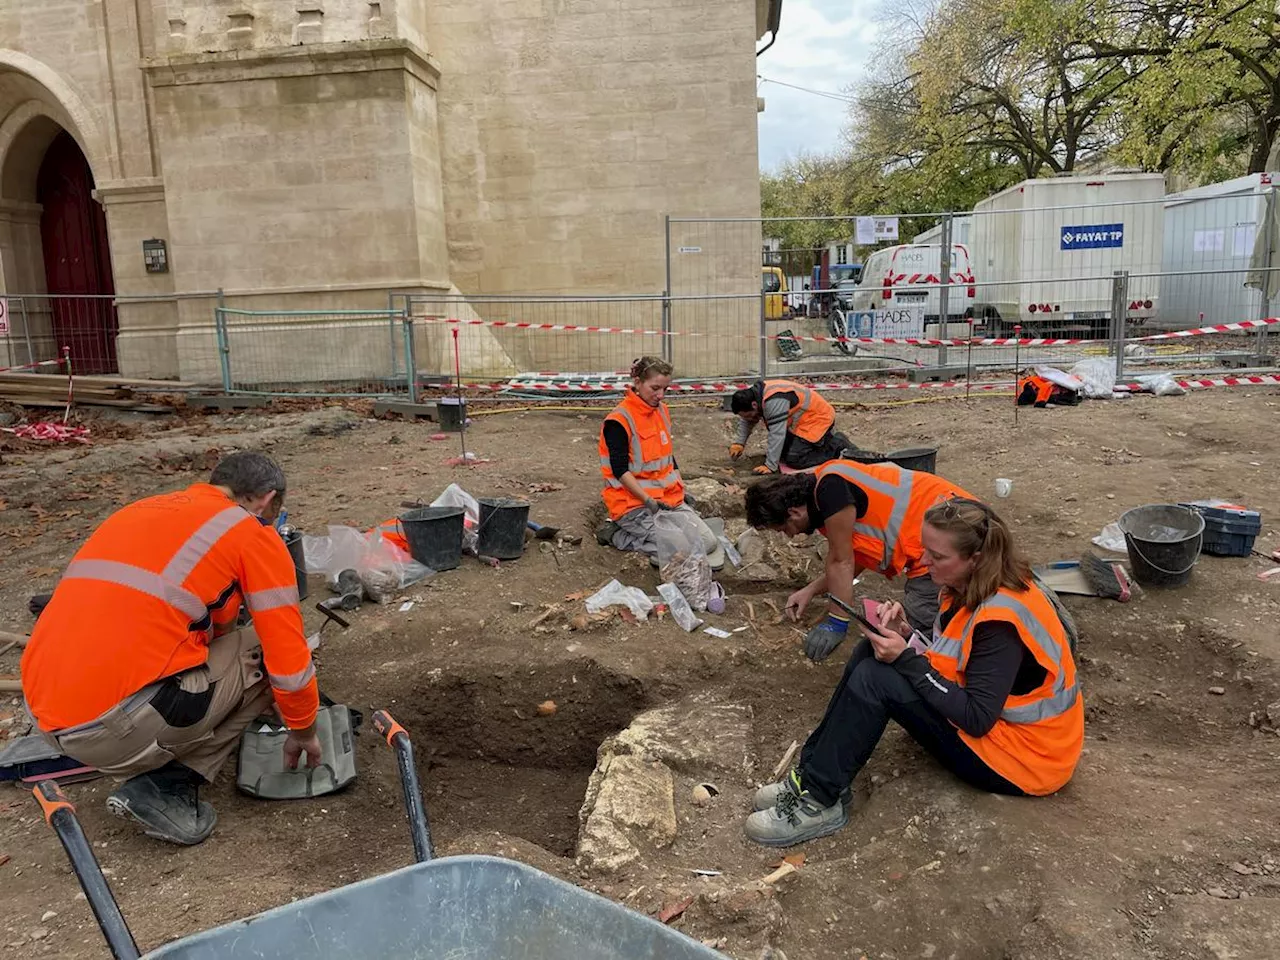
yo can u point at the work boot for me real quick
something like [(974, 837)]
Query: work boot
[(796, 818), (166, 803), (766, 797), (605, 532)]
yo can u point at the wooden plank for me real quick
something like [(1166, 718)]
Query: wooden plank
[(99, 380), (135, 405)]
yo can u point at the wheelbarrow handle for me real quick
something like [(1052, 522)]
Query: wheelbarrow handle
[(61, 815), (398, 739)]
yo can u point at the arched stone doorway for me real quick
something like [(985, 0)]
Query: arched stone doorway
[(77, 258), (54, 252)]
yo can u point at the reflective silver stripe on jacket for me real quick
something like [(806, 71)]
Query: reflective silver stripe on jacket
[(144, 581), (1063, 697), (167, 585), (271, 598), (293, 682), (899, 493), (637, 464)]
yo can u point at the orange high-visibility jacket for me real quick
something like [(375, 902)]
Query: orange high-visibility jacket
[(393, 533), (810, 417), (141, 599), (887, 536), (652, 458), (1035, 387), (1038, 737)]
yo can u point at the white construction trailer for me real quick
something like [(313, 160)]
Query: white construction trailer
[(1211, 236), (1045, 251)]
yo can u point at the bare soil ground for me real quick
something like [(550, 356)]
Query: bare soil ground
[(1164, 845)]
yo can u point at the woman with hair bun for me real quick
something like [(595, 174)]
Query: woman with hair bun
[(638, 463)]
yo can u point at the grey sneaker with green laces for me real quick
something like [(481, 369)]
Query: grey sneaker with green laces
[(795, 818), (766, 797)]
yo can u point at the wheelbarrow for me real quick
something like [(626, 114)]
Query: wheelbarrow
[(457, 907)]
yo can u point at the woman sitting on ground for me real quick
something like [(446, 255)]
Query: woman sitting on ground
[(637, 460), (992, 695)]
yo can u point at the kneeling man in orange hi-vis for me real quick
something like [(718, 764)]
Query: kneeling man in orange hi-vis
[(136, 666)]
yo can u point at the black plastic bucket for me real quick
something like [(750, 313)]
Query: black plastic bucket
[(434, 535), (924, 459), (1164, 543), (862, 456), (294, 543), (501, 530), (452, 412)]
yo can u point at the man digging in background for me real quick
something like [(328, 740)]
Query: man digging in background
[(801, 425), (135, 667)]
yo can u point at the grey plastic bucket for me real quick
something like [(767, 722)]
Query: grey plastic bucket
[(1164, 543), (924, 459), (434, 535), (294, 543), (502, 526)]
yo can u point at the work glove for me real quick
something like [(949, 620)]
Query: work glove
[(762, 469), (825, 637), (656, 506), (735, 450)]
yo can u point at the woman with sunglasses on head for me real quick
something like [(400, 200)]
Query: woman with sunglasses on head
[(992, 694)]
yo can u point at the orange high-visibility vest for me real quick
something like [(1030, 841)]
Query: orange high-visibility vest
[(393, 533), (810, 417), (652, 457), (141, 599), (1040, 388), (887, 536), (1038, 737)]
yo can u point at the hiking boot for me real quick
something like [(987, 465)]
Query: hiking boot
[(605, 532), (796, 818), (166, 804), (767, 796)]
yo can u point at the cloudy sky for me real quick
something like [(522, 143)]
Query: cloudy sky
[(822, 45)]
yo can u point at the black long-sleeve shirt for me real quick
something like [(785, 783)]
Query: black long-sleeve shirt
[(999, 666)]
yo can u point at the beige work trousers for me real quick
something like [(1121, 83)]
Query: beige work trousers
[(130, 739)]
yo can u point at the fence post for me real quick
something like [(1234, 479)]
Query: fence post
[(410, 355), (764, 333), (1269, 217), (26, 330), (1119, 319), (666, 298), (224, 342), (944, 291)]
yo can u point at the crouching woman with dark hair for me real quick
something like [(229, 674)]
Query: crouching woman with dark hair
[(992, 694)]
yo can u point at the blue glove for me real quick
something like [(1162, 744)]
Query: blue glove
[(825, 637)]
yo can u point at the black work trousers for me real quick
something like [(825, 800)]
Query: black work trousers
[(801, 454), (871, 694)]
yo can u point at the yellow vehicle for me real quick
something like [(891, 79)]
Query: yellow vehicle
[(774, 286)]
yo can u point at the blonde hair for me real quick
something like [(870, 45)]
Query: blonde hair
[(974, 528), (642, 368)]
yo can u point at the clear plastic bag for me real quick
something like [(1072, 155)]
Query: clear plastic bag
[(681, 612), (682, 558), (614, 593), (1161, 385), (1112, 539), (383, 568)]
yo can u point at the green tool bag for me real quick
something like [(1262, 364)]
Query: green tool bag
[(262, 773)]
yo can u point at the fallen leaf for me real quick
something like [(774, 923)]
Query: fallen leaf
[(673, 910), (4, 858), (580, 595), (627, 616), (795, 859), (545, 487), (3, 505)]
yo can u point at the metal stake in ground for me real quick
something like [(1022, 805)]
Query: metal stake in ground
[(66, 356), (457, 383), (1017, 368), (968, 367)]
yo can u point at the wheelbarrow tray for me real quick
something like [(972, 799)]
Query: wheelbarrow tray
[(456, 908)]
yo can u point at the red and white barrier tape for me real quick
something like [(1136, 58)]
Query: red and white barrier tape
[(49, 431), (32, 366), (553, 387), (907, 341)]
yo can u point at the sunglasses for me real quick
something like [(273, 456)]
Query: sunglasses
[(950, 507)]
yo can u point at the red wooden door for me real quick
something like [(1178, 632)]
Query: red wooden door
[(77, 260)]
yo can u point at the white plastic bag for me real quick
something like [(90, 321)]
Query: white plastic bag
[(1161, 385), (679, 607), (614, 593), (1098, 374), (1112, 539), (682, 558), (341, 550), (455, 496)]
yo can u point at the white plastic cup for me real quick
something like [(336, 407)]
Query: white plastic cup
[(1004, 487)]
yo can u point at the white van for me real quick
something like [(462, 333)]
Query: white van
[(908, 275)]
